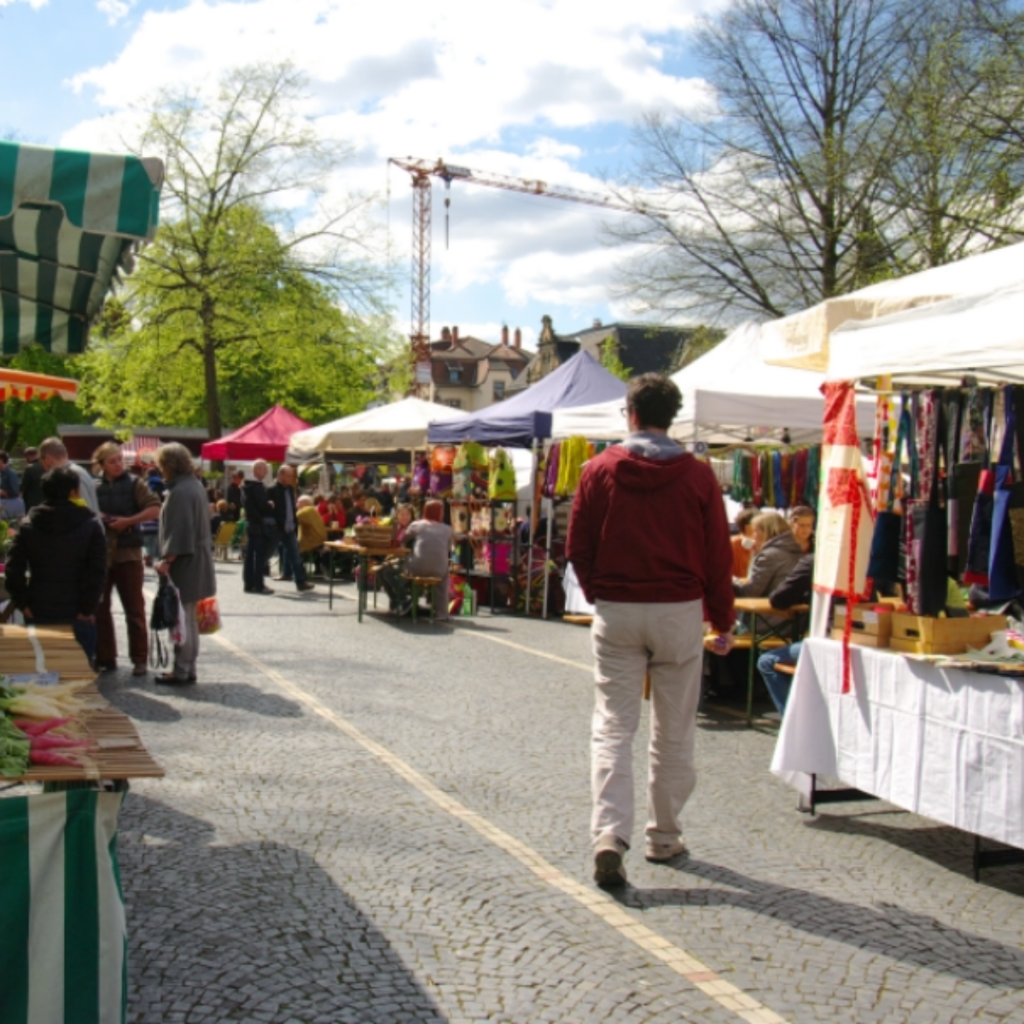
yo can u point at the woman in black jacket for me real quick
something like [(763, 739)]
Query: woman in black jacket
[(57, 565)]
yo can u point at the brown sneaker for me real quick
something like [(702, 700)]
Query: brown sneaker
[(608, 870)]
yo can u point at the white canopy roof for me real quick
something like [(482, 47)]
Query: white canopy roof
[(399, 427), (981, 335), (729, 395), (803, 338)]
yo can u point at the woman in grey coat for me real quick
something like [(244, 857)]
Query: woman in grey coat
[(186, 551)]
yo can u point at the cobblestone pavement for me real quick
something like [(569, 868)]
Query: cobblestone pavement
[(383, 823)]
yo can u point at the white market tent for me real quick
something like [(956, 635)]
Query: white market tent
[(981, 335), (729, 395), (388, 433), (802, 340)]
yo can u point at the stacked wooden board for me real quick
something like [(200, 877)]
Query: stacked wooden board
[(119, 752)]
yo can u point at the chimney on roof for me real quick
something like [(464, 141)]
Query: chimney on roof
[(597, 323), (504, 335), (455, 336), (446, 335), (519, 338)]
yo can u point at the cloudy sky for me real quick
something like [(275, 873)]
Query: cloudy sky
[(534, 88)]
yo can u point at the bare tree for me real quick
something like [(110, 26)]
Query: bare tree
[(247, 156), (764, 203)]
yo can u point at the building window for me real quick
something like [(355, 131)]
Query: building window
[(453, 403), (499, 390), (454, 374)]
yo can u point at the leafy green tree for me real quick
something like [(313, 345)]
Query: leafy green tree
[(285, 340), (700, 343), (611, 360), (250, 259)]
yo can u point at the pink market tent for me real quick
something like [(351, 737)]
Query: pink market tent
[(266, 437)]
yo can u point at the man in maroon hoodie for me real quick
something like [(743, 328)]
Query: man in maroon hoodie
[(649, 542)]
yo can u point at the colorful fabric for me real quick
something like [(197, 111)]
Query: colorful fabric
[(572, 458), (63, 941), (502, 477)]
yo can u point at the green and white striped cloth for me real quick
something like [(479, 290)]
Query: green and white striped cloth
[(63, 940), (69, 222)]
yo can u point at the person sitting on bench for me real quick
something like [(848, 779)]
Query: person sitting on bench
[(795, 589), (430, 543)]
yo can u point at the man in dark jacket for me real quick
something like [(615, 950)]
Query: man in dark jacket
[(32, 480), (284, 498), (260, 528), (125, 503), (234, 497), (58, 564), (649, 541)]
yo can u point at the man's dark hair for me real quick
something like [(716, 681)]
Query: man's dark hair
[(4, 457), (655, 400), (59, 484), (745, 517)]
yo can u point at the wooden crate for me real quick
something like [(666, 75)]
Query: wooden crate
[(921, 634), (372, 535), (863, 639), (868, 621)]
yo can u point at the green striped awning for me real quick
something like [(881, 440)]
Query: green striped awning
[(69, 224), (63, 939)]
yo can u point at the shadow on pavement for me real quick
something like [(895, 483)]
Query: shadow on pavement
[(138, 705), (944, 845), (241, 696), (884, 928), (256, 931)]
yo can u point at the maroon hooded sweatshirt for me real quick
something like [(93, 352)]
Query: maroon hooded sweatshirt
[(654, 530)]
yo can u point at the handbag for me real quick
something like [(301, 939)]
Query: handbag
[(1003, 584), (930, 524), (884, 560), (164, 616)]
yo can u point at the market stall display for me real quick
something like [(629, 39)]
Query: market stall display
[(60, 875), (265, 437), (887, 702)]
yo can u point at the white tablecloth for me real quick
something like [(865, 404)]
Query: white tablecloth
[(944, 743)]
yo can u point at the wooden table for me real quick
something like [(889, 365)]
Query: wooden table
[(364, 556), (755, 609)]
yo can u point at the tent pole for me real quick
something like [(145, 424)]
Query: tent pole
[(547, 555), (531, 518)]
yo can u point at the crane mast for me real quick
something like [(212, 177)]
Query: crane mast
[(421, 172)]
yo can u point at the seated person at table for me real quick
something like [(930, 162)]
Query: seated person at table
[(430, 543), (311, 528), (776, 552), (57, 566), (743, 542), (801, 522), (795, 589), (404, 516)]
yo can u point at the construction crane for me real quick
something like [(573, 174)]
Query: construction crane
[(422, 171)]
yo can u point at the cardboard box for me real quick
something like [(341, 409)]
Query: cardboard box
[(921, 634), (868, 620)]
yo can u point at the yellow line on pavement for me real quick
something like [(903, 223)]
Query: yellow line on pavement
[(679, 960), (480, 635)]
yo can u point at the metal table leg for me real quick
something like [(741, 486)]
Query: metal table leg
[(330, 579)]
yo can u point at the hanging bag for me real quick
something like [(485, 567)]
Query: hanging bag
[(884, 562), (165, 617), (1002, 568)]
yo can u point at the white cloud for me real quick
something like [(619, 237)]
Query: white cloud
[(453, 80), (34, 4), (115, 10)]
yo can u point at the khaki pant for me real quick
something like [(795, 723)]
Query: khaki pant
[(629, 641)]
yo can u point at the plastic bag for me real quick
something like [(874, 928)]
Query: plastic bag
[(208, 616)]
